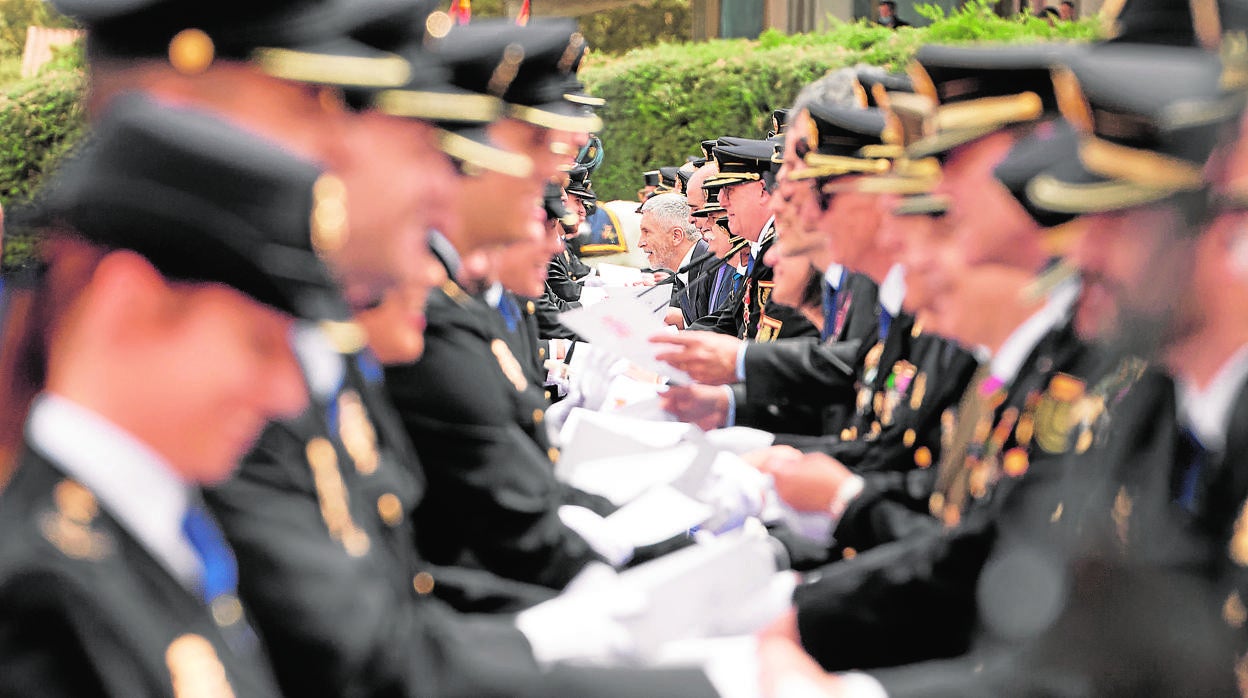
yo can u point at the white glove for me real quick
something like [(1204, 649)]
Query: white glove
[(734, 490), (582, 625), (596, 531)]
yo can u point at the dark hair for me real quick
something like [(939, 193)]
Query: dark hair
[(812, 296)]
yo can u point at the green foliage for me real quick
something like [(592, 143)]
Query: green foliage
[(663, 100), (633, 26), (40, 121)]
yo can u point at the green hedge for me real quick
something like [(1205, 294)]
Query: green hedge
[(662, 101), (40, 120)]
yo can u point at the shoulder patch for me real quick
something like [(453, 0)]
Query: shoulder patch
[(510, 366), (68, 526)]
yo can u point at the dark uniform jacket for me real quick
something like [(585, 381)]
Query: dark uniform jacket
[(86, 610), (564, 275), (1134, 601), (493, 499), (320, 518), (750, 314), (915, 598), (802, 385), (531, 403)]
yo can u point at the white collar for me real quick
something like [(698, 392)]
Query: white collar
[(132, 482), (323, 367), (1208, 412), (1006, 363), (833, 275), (762, 237), (494, 295), (893, 290), (684, 276)]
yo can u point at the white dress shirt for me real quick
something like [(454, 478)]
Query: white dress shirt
[(131, 481)]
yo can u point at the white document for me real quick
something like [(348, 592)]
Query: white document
[(622, 479), (616, 275), (622, 326), (657, 515), (687, 591)]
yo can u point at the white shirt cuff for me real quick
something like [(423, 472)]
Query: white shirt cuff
[(846, 493)]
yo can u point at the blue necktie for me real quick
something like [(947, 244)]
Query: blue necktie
[(886, 321), (1197, 459), (510, 313), (717, 290), (220, 569), (829, 312)]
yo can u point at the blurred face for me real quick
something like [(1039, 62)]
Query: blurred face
[(203, 416), (992, 228), (497, 208), (397, 189), (660, 242), (715, 237), (575, 205), (791, 274), (794, 205), (523, 265), (396, 327), (917, 233), (851, 224), (932, 268), (886, 10), (1135, 271)]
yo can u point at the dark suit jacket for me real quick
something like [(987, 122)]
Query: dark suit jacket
[(85, 610), (914, 599), (694, 297), (750, 309)]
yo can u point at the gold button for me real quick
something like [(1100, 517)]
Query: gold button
[(226, 610), (923, 457), (547, 394), (390, 509), (422, 583), (908, 438), (530, 307), (553, 453), (538, 416), (541, 352), (849, 553)]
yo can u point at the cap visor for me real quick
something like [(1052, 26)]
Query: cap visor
[(472, 147)]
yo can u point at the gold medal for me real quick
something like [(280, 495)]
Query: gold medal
[(357, 432)]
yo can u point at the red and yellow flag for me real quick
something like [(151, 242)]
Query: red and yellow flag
[(461, 11), (522, 18)]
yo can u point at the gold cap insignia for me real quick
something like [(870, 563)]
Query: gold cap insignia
[(191, 51)]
